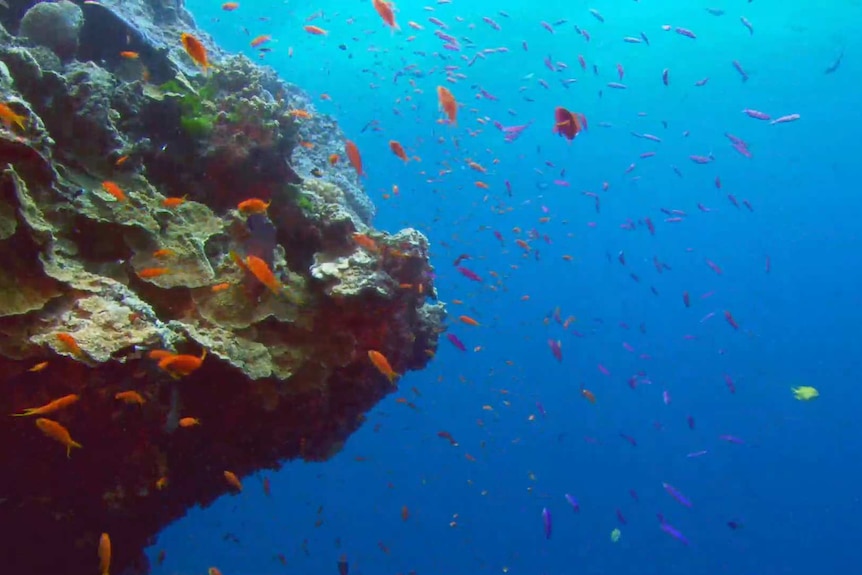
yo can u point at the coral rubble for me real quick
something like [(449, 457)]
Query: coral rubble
[(120, 236)]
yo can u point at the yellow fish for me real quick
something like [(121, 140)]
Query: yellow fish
[(805, 393)]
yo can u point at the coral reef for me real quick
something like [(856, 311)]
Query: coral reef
[(137, 291)]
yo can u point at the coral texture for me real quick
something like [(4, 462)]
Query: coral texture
[(122, 233)]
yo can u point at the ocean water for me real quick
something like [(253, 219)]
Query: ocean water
[(791, 486)]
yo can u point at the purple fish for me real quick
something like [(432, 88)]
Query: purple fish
[(740, 69), (456, 342), (573, 502), (676, 494), (546, 521), (756, 114), (686, 32), (469, 274), (673, 532)]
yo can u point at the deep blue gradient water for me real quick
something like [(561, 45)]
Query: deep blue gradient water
[(793, 485)]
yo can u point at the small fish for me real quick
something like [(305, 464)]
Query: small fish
[(805, 393), (315, 31), (57, 432), (9, 117), (50, 407), (104, 554), (130, 397), (382, 364), (676, 494), (233, 480), (196, 50), (546, 522)]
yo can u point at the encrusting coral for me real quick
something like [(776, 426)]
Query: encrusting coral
[(172, 253)]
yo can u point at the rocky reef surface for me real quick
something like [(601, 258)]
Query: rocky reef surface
[(166, 332)]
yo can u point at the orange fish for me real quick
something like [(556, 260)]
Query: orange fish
[(448, 104), (382, 364), (301, 114), (385, 9), (230, 6), (333, 159), (57, 432), (121, 160), (233, 480), (130, 397), (260, 40), (253, 206), (213, 571), (189, 421), (398, 150), (220, 287), (51, 407), (148, 273), (39, 366), (161, 483), (104, 554), (195, 50), (365, 242), (405, 513), (314, 30), (113, 189), (468, 320), (173, 202), (354, 157), (70, 343), (588, 395), (9, 117), (163, 253), (261, 271), (179, 365), (128, 55)]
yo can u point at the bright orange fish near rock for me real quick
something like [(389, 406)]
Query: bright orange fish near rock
[(130, 397), (382, 364), (233, 480), (353, 155), (261, 271), (9, 117), (173, 202), (115, 190), (253, 206), (71, 344), (387, 12), (104, 554), (196, 50), (398, 150), (448, 104), (57, 432), (180, 365), (51, 407), (149, 273)]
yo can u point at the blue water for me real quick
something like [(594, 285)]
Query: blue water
[(793, 484)]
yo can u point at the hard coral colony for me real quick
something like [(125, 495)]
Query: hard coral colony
[(168, 245)]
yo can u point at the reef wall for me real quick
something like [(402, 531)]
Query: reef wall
[(170, 330)]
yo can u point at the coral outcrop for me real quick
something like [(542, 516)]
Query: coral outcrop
[(187, 335)]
